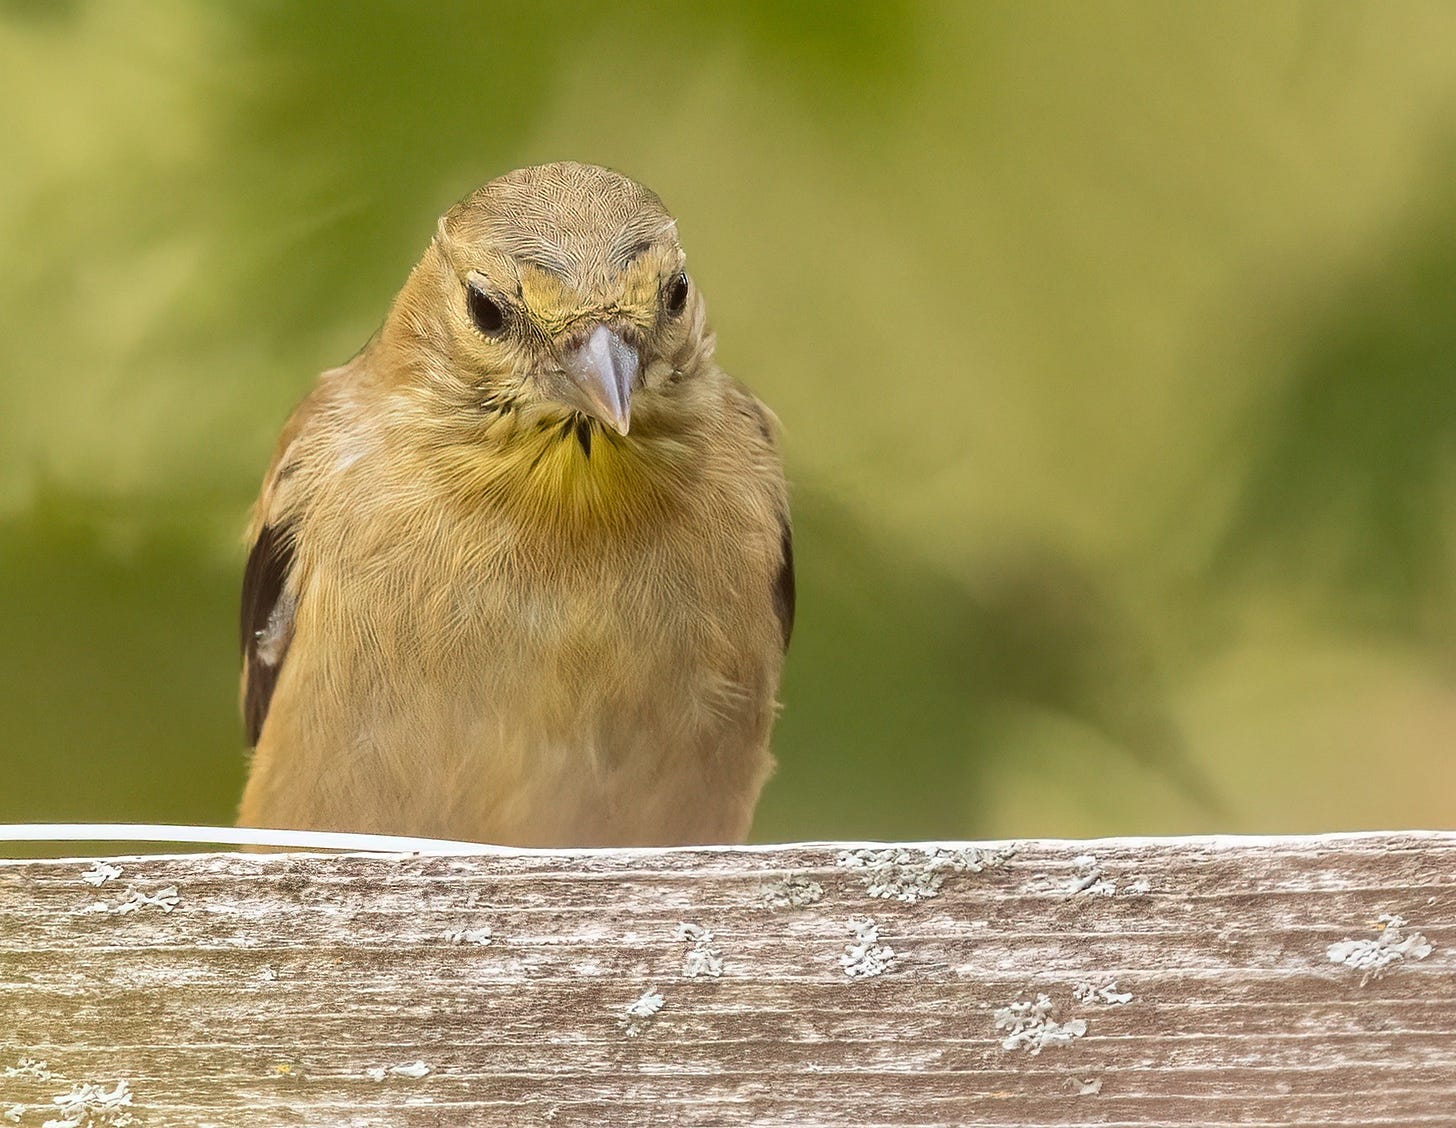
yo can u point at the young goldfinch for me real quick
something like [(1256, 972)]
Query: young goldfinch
[(521, 570)]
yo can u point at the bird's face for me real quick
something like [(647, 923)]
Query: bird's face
[(558, 293)]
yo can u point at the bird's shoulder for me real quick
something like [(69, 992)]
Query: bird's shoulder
[(766, 429), (314, 427), (761, 420)]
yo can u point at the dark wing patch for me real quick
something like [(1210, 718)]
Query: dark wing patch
[(784, 585), (783, 588), (264, 625)]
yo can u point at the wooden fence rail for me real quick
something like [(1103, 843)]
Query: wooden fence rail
[(1208, 982)]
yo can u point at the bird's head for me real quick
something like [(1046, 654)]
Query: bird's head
[(556, 292)]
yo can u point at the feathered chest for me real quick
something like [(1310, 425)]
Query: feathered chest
[(551, 571)]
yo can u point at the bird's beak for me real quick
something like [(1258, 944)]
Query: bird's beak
[(603, 371)]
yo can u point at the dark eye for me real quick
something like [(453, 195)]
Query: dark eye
[(677, 294), (489, 318)]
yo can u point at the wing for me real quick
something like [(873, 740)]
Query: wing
[(269, 584), (784, 585), (783, 588), (266, 622)]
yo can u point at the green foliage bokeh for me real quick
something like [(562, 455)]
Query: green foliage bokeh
[(1115, 347)]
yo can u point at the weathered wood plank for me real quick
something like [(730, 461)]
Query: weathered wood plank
[(1186, 982)]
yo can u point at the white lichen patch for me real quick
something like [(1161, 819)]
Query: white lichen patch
[(702, 958), (1030, 1026), (480, 937), (414, 1070), (1375, 956), (1089, 993), (640, 1013), (865, 957), (93, 1106), (100, 873), (29, 1067), (1090, 879), (14, 1113), (645, 1006), (914, 875), (166, 900), (791, 893), (134, 901)]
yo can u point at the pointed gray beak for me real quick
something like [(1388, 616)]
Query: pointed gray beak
[(603, 371)]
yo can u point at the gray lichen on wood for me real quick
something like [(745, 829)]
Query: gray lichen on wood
[(864, 956), (640, 1012), (912, 874), (1029, 1025), (1090, 993), (1374, 956), (82, 1104), (1218, 982), (791, 893), (702, 958), (100, 873), (89, 1105), (135, 900)]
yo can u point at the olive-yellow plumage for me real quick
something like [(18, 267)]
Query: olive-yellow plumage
[(521, 570)]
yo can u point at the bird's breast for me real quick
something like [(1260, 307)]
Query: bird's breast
[(504, 603), (571, 648), (536, 692), (568, 472)]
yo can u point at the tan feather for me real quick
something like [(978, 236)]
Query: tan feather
[(509, 623)]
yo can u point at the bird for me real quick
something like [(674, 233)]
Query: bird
[(521, 571)]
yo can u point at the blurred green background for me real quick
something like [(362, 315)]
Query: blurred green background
[(1115, 346)]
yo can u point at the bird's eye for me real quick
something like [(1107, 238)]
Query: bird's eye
[(489, 318), (677, 294)]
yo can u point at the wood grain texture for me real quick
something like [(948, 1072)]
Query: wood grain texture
[(1187, 982)]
